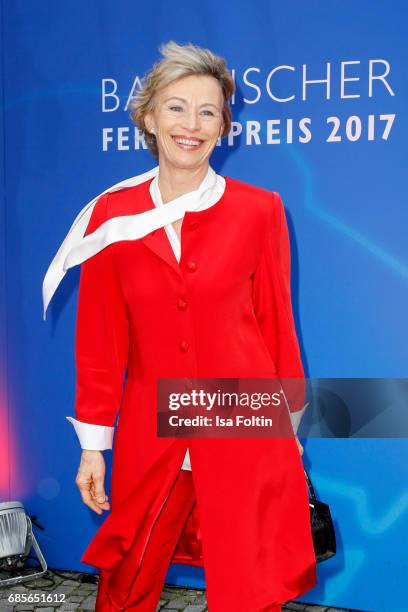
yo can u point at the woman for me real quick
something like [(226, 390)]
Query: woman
[(205, 293)]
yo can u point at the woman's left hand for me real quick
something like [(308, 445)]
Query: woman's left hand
[(300, 447)]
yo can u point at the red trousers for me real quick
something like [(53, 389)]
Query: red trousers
[(148, 581)]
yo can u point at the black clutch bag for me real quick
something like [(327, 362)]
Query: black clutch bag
[(324, 537)]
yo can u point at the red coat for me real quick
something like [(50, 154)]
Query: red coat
[(251, 519)]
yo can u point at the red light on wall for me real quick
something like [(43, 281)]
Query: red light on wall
[(4, 447)]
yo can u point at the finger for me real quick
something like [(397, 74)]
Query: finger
[(99, 489), (94, 494), (87, 498), (104, 505), (85, 488)]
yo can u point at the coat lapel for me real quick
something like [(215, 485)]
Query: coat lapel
[(158, 242)]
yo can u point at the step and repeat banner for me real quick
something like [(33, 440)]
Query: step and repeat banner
[(319, 115)]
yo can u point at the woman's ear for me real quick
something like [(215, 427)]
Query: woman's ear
[(149, 123)]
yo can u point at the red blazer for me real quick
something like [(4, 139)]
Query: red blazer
[(223, 311)]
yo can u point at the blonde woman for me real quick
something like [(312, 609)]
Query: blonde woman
[(192, 280)]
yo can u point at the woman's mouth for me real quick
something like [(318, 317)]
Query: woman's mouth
[(187, 144)]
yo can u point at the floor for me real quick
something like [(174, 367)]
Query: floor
[(63, 591)]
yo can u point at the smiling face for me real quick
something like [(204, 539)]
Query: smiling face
[(187, 121)]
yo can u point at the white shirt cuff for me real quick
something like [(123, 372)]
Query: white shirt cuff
[(93, 437)]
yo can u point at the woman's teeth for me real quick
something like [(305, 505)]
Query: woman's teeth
[(186, 143)]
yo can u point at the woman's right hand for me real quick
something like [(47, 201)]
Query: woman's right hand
[(90, 480)]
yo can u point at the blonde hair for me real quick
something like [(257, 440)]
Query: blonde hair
[(180, 61)]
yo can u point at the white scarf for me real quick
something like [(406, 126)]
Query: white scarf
[(76, 247)]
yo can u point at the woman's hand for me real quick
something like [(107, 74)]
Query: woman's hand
[(300, 447), (90, 480)]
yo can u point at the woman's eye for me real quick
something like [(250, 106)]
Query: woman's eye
[(208, 111), (175, 107)]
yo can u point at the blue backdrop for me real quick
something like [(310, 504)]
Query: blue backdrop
[(320, 117)]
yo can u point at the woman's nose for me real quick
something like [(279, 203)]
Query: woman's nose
[(191, 120)]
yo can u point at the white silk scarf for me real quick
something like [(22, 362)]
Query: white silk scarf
[(76, 247)]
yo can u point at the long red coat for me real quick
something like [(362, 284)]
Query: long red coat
[(223, 311)]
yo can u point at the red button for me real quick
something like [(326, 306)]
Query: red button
[(194, 225), (184, 346), (181, 304), (192, 266)]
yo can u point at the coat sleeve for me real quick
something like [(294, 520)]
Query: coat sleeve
[(271, 296), (101, 344)]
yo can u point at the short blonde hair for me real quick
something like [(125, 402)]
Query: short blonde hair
[(180, 61)]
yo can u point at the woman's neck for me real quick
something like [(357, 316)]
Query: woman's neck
[(174, 182)]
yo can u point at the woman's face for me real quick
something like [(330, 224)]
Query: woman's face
[(187, 121)]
